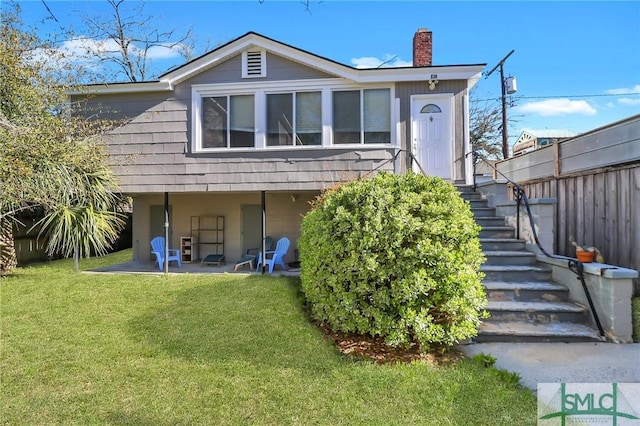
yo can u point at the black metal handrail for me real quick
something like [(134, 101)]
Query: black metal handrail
[(520, 196), (394, 158)]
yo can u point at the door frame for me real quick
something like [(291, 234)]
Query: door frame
[(449, 97), (258, 207)]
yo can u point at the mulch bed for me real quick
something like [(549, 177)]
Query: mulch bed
[(374, 348)]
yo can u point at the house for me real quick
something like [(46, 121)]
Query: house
[(529, 142), (259, 123)]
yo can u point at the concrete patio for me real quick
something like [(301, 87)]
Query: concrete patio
[(149, 267)]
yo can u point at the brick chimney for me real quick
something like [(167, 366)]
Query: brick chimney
[(422, 48)]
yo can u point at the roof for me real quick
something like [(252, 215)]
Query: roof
[(550, 133), (470, 72), (527, 137)]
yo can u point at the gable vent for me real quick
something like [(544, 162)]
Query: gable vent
[(254, 64)]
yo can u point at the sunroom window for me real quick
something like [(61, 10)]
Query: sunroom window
[(377, 116), (304, 127), (362, 116), (228, 122), (287, 116)]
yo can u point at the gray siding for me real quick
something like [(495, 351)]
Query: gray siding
[(152, 154), (247, 171), (278, 68)]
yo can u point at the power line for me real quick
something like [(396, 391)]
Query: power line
[(560, 96)]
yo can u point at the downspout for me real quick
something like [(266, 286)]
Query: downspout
[(264, 229), (166, 232)]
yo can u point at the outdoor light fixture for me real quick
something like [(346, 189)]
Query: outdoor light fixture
[(432, 84)]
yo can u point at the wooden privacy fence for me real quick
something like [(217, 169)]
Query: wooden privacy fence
[(595, 178)]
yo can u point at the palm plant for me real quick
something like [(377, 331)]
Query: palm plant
[(51, 157), (8, 259), (85, 218)]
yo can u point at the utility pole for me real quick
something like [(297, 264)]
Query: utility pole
[(505, 132)]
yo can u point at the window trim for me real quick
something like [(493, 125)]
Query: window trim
[(325, 86)]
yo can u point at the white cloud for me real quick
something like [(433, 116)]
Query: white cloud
[(624, 91), (163, 52), (555, 107), (387, 61), (629, 101), (82, 50)]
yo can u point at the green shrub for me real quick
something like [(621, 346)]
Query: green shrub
[(635, 318), (395, 256)]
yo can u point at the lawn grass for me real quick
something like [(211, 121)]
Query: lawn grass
[(82, 348)]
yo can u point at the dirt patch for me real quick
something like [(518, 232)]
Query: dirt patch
[(374, 348)]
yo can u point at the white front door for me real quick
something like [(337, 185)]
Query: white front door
[(432, 134)]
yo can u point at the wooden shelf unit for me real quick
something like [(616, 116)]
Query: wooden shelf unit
[(208, 234), (188, 249)]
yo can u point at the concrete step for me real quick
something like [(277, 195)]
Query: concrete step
[(524, 305), (497, 232), (515, 273), (525, 291), (484, 212), (535, 312), (464, 189), (510, 258), (510, 244), (490, 221), (471, 195), (530, 332), (478, 203)]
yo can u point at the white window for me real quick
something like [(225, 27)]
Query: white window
[(362, 116), (228, 122), (304, 127), (289, 115)]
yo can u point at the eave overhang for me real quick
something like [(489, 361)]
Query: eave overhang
[(112, 88), (168, 81)]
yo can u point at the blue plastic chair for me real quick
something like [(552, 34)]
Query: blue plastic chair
[(250, 255), (275, 257), (157, 248), (253, 253)]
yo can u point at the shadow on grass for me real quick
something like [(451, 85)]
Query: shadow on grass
[(257, 320), (123, 418)]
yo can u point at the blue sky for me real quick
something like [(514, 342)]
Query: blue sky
[(577, 63)]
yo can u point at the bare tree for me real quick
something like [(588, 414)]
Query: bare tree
[(128, 38), (305, 3), (486, 126)]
